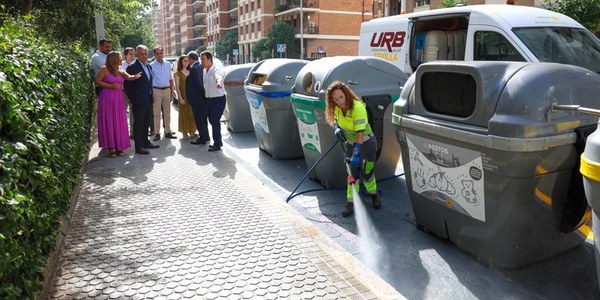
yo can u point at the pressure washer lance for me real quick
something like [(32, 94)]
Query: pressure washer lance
[(578, 108), (341, 136), (350, 178)]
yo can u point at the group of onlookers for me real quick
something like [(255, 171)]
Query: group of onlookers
[(202, 97), (147, 88)]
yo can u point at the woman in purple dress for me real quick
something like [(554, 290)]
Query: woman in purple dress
[(113, 132)]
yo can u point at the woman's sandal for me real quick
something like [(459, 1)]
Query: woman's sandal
[(120, 153), (112, 153)]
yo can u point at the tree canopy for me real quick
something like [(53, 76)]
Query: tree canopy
[(279, 33), (125, 21), (226, 44), (586, 12)]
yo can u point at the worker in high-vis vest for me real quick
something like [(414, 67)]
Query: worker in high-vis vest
[(348, 116)]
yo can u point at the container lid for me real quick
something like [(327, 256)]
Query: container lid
[(235, 75), (277, 74), (505, 99), (365, 75)]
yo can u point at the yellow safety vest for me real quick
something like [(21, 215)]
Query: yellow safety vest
[(355, 120)]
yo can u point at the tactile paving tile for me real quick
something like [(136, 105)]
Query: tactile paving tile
[(190, 225)]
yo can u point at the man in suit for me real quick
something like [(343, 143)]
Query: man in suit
[(194, 90), (140, 95)]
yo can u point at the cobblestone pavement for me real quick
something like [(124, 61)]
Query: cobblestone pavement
[(185, 223)]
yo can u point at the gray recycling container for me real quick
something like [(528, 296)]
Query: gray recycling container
[(377, 82), (590, 169), (268, 89), (488, 166), (239, 119)]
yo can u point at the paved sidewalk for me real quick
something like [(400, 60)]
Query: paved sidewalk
[(185, 223)]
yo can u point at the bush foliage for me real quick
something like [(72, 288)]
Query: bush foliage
[(45, 122)]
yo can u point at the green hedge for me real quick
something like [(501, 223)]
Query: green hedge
[(45, 123)]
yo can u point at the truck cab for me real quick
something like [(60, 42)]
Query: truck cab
[(480, 32)]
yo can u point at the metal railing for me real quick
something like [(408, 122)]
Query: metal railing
[(291, 4)]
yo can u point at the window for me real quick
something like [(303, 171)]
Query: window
[(572, 46), (494, 46), (421, 3), (448, 93), (258, 25)]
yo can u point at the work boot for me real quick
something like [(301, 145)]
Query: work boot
[(376, 200), (348, 209)]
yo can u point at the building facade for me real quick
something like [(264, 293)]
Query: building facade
[(157, 25), (322, 27), (255, 18), (421, 5)]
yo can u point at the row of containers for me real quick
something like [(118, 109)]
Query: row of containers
[(488, 162)]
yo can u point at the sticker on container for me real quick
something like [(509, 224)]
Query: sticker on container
[(448, 175), (309, 136), (258, 112)]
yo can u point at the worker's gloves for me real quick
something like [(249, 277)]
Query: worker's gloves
[(355, 159), (339, 133)]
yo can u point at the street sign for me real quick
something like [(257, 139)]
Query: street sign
[(281, 48), (236, 52)]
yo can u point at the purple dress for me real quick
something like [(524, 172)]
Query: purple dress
[(112, 117)]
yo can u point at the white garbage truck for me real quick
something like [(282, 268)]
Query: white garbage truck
[(480, 32)]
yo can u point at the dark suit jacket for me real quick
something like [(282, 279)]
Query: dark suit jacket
[(139, 91), (194, 85)]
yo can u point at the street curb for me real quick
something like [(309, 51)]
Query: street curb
[(65, 222)]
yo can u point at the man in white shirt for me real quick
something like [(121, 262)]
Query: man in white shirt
[(215, 98), (99, 58), (163, 91)]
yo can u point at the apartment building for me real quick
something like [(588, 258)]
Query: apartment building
[(421, 5), (157, 25), (322, 27), (219, 18), (255, 17), (192, 25), (325, 28)]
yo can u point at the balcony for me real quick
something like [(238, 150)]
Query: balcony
[(294, 5), (201, 32), (308, 30), (232, 4), (199, 22), (198, 11)]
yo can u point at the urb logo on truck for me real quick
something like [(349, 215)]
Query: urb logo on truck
[(391, 40)]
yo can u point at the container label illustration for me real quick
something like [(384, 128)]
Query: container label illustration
[(449, 175), (309, 136), (308, 128), (258, 112)]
